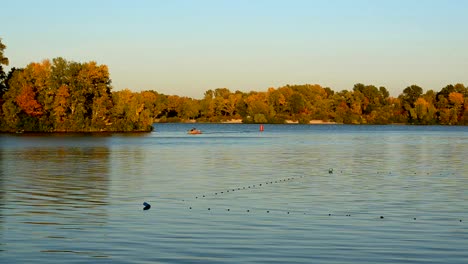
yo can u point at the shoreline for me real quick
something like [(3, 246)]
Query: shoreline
[(312, 122)]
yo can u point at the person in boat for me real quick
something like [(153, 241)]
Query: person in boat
[(194, 131)]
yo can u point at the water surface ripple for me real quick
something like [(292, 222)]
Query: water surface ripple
[(396, 194)]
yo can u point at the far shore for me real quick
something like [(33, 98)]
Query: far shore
[(239, 121), (313, 122)]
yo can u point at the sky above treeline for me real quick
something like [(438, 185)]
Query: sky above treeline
[(184, 48)]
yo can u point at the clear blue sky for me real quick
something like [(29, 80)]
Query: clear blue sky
[(187, 47)]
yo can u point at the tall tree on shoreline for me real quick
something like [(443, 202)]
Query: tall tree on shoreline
[(3, 61), (59, 96)]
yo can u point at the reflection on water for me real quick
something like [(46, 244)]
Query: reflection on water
[(52, 192), (237, 195), (60, 176), (2, 198)]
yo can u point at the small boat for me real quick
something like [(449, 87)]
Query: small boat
[(194, 131)]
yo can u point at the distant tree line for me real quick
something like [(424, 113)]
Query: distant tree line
[(63, 96), (364, 104)]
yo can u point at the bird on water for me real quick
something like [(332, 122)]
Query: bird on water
[(147, 206)]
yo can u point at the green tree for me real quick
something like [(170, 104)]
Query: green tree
[(296, 103), (3, 61), (384, 92), (457, 88), (408, 97), (411, 94)]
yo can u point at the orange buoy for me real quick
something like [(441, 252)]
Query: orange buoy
[(261, 127)]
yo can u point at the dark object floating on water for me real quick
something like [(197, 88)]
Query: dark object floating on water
[(330, 170), (381, 217), (147, 206)]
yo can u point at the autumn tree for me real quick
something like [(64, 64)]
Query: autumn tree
[(277, 100), (207, 106), (63, 96), (464, 117), (189, 109), (26, 100), (258, 110), (10, 118), (221, 104), (456, 101), (373, 98), (68, 96), (339, 107), (131, 111), (423, 112)]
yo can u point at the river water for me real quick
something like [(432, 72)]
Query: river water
[(289, 194)]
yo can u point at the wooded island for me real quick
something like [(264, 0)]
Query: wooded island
[(62, 96)]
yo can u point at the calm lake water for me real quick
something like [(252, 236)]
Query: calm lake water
[(397, 194)]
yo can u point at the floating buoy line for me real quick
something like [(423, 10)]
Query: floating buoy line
[(243, 188), (267, 211)]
